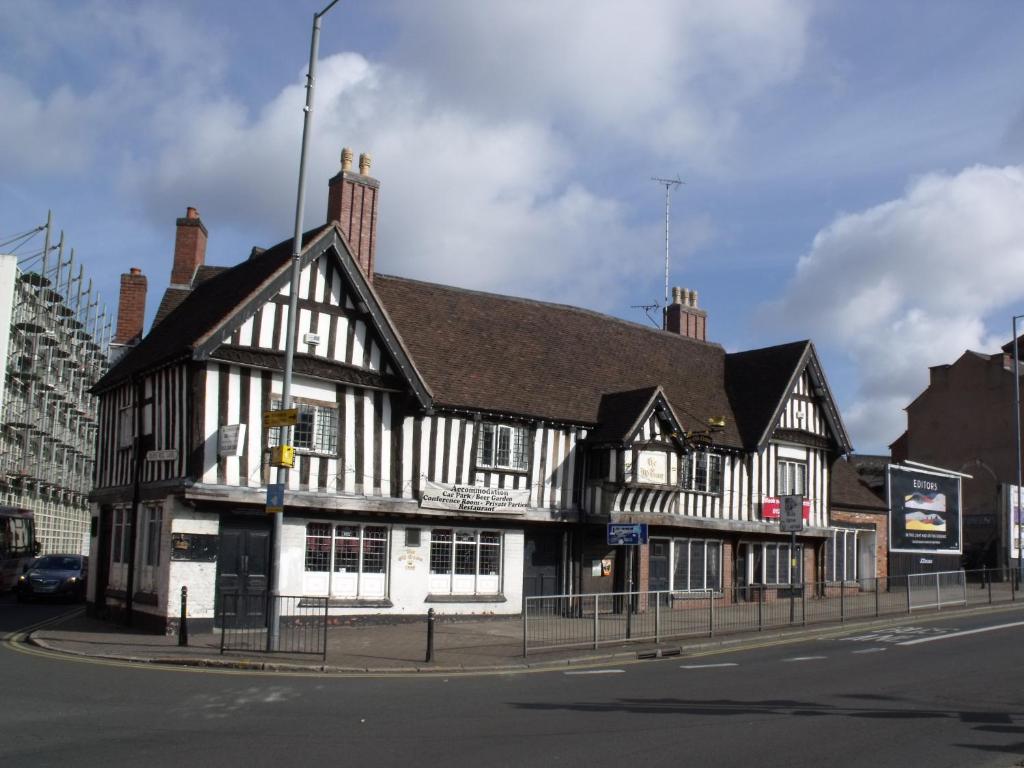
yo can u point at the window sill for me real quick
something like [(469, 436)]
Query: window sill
[(496, 598), (503, 470), (341, 602)]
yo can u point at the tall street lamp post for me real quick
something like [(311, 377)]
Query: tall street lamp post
[(289, 353), (1016, 415)]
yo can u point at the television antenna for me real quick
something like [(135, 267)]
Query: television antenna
[(670, 185)]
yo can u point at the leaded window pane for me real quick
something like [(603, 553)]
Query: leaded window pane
[(441, 551), (318, 546), (681, 577)]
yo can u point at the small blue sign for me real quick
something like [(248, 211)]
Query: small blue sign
[(626, 534), (275, 498)]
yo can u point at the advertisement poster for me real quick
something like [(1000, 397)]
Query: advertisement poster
[(924, 512), (1013, 515)]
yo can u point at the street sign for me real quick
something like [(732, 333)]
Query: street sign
[(791, 513), (169, 454), (624, 534), (286, 418), (275, 498)]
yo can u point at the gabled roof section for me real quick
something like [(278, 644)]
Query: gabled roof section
[(850, 492), (760, 381), (622, 415), (218, 305), (175, 294), (551, 362)]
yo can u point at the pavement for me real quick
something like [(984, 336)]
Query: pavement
[(461, 645)]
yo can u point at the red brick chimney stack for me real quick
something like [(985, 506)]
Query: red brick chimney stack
[(189, 248), (683, 317), (131, 307), (352, 202)]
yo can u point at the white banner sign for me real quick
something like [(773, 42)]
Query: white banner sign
[(652, 467), (471, 498)]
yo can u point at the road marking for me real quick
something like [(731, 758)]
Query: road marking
[(806, 658), (597, 672), (870, 650), (961, 634), (708, 666)]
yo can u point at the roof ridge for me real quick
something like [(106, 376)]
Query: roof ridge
[(550, 304)]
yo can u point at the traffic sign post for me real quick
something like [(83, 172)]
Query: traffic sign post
[(791, 520), (288, 417), (628, 535), (275, 498)]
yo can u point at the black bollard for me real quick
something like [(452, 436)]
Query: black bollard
[(430, 635), (183, 624)]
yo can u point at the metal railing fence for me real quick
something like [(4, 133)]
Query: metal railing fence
[(243, 623), (593, 620)]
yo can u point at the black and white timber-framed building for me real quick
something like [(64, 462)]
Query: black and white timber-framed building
[(455, 449)]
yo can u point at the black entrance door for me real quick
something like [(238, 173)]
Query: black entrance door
[(658, 573), (541, 557), (243, 568)]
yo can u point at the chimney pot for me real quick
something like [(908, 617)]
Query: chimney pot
[(352, 201), (189, 248), (131, 307), (682, 316)]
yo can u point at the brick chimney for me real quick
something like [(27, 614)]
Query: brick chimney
[(352, 202), (189, 249), (683, 317), (131, 307)]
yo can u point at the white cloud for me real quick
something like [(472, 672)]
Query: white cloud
[(663, 74), (907, 284), (464, 199)]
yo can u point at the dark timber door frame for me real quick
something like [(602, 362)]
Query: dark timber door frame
[(243, 571)]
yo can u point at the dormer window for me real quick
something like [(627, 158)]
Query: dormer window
[(502, 447), (702, 471)]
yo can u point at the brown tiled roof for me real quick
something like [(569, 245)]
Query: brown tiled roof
[(850, 492), (618, 412), (210, 301), (503, 354), (756, 381), (175, 294)]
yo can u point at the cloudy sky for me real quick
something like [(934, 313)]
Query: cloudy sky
[(854, 171)]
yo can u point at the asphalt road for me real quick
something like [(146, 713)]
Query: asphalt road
[(920, 695)]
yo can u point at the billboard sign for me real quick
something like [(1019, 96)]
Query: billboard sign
[(924, 512), (1013, 517), (626, 534)]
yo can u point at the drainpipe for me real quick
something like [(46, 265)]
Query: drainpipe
[(140, 391)]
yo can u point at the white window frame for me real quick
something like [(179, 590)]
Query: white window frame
[(781, 556), (341, 582), (323, 431), (791, 477), (443, 579), (839, 568), (125, 426), (690, 544), (489, 449), (152, 531), (698, 473)]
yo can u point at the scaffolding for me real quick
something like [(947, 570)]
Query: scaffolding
[(55, 334)]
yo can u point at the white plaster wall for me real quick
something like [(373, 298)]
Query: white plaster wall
[(200, 578), (408, 574)]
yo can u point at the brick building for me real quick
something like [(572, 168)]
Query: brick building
[(964, 421)]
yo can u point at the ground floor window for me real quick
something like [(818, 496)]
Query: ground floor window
[(841, 555), (121, 535), (154, 525), (349, 560), (769, 563), (697, 564), (465, 562)]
